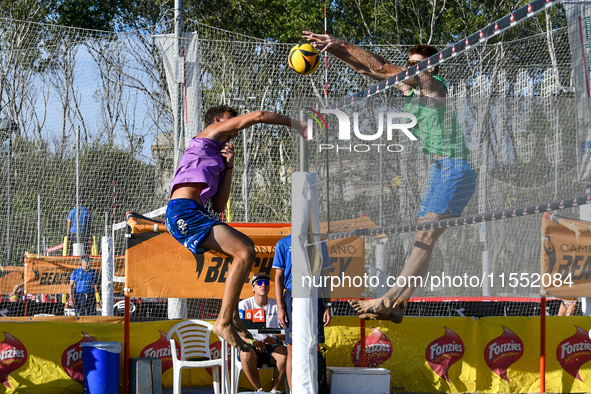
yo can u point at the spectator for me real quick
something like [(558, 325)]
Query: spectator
[(84, 289), (83, 229), (282, 264), (567, 307), (266, 349), (17, 292)]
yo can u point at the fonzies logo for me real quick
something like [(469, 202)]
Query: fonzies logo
[(502, 352), (161, 349), (345, 130), (443, 352), (378, 349), (13, 355), (72, 358), (573, 352)]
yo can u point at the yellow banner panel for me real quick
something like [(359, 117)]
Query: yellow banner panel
[(508, 354), (440, 359), (445, 355), (568, 352), (46, 357)]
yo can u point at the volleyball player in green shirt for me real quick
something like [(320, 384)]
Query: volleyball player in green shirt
[(451, 181)]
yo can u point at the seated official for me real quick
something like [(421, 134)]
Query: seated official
[(266, 349)]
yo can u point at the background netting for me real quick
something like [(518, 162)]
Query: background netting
[(114, 87)]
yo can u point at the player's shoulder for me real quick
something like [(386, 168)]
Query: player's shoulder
[(245, 303), (284, 242)]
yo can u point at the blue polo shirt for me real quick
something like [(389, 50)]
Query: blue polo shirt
[(85, 220), (85, 280), (282, 259)]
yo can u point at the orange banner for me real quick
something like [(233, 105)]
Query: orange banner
[(565, 258), (51, 274), (347, 257), (159, 266), (9, 277)]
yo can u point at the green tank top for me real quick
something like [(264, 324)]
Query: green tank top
[(437, 128)]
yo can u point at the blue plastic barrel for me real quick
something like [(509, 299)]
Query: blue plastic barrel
[(100, 367)]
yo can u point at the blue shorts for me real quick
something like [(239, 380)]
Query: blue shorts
[(189, 223), (287, 300), (450, 186)]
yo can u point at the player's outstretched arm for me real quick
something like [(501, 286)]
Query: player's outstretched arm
[(361, 60), (228, 129)]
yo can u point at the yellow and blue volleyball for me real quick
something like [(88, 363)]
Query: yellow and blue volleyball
[(304, 59)]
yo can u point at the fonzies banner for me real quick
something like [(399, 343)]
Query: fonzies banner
[(579, 29), (565, 258), (451, 354), (159, 266)]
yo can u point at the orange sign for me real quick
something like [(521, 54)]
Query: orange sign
[(10, 277), (566, 257), (51, 274), (157, 265)]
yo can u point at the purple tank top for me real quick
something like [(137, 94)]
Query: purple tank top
[(201, 163)]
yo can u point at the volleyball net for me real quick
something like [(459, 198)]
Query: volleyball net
[(510, 141)]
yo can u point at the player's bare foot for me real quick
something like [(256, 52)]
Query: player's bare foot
[(228, 332), (240, 327), (378, 309)]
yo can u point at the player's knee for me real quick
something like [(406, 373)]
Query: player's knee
[(428, 237), (248, 357), (249, 254)]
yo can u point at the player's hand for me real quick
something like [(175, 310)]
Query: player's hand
[(322, 41), (282, 317), (302, 128), (228, 154), (259, 345), (269, 340), (327, 316)]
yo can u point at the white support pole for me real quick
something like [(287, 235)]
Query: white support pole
[(108, 270), (38, 224), (381, 265), (177, 308), (585, 214), (304, 255)]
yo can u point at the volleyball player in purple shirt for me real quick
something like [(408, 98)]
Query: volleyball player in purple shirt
[(205, 174)]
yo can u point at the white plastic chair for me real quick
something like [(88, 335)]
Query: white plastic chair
[(193, 337), (237, 368)]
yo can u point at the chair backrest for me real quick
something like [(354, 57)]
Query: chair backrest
[(193, 337)]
